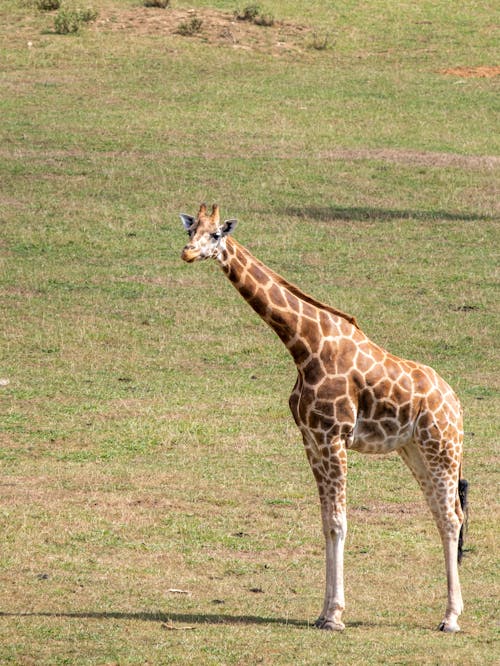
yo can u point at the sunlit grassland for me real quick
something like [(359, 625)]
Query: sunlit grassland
[(146, 442)]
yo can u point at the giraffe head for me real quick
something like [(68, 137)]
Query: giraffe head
[(206, 234)]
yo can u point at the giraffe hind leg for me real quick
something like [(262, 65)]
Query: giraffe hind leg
[(440, 486), (463, 491)]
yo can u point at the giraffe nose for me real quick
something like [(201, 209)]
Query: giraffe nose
[(188, 254)]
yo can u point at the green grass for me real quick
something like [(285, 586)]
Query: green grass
[(146, 443)]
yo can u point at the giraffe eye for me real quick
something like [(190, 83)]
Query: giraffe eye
[(215, 235)]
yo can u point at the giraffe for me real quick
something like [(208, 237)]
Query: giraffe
[(350, 394)]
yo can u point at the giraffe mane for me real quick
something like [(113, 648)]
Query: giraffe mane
[(313, 301), (298, 292)]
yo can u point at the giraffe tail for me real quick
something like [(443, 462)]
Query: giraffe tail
[(463, 491)]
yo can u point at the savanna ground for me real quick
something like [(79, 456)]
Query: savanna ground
[(156, 505)]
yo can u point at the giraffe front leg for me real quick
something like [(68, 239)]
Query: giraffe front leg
[(449, 536), (328, 461), (335, 529)]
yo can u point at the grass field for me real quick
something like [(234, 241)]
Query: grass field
[(156, 505)]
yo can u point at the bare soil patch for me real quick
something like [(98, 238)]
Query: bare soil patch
[(216, 28), (482, 72), (378, 511)]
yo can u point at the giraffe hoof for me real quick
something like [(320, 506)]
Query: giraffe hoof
[(448, 628), (329, 625)]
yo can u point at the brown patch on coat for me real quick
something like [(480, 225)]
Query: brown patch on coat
[(276, 296), (313, 371), (299, 351), (332, 388)]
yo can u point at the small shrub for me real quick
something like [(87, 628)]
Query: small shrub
[(266, 20), (87, 15), (69, 21), (320, 42), (48, 5), (189, 28), (254, 14), (249, 13), (161, 4), (66, 22)]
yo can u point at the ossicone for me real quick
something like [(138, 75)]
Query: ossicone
[(215, 213)]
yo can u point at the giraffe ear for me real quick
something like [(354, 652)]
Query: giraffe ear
[(187, 221), (228, 227)]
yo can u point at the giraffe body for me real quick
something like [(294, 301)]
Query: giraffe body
[(350, 394)]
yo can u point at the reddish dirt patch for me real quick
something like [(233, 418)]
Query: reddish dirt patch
[(482, 72), (216, 28)]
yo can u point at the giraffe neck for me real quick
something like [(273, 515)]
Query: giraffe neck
[(300, 321)]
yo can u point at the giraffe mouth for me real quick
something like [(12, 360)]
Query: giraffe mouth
[(189, 255)]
